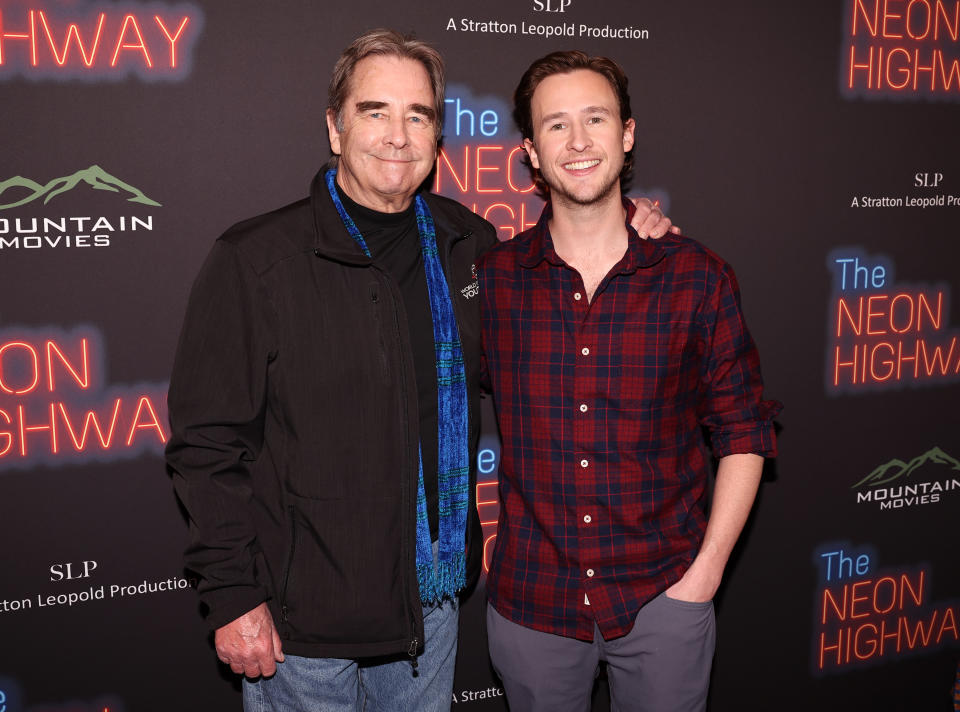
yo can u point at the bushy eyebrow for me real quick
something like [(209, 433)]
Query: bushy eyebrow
[(370, 106), (427, 111)]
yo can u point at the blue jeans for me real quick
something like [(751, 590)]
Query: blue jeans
[(339, 685)]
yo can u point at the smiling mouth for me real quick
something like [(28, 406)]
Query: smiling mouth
[(581, 165)]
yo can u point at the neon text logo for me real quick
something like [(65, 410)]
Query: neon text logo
[(885, 335), (865, 616), (102, 41), (899, 48), (55, 409)]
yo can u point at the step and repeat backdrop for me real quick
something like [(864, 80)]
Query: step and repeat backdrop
[(812, 145)]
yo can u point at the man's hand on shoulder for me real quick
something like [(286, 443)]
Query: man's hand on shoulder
[(649, 220), (250, 644)]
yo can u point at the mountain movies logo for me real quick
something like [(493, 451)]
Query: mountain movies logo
[(35, 232), (922, 480)]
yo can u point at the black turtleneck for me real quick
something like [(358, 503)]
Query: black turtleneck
[(394, 244)]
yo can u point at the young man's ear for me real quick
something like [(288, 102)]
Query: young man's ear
[(628, 127), (532, 152)]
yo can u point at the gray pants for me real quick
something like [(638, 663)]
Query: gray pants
[(661, 665)]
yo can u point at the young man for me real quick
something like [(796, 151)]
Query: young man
[(325, 416), (606, 354)]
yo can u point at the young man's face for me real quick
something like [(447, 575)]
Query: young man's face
[(388, 142), (578, 139)]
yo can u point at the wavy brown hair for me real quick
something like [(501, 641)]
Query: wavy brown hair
[(563, 63)]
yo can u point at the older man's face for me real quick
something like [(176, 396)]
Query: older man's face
[(388, 142)]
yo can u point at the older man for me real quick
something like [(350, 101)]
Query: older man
[(325, 415)]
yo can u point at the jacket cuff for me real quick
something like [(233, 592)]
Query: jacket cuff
[(228, 604)]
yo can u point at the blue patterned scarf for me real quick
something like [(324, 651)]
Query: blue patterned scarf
[(448, 577)]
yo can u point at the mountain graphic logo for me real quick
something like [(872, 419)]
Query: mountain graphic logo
[(94, 176), (895, 469)]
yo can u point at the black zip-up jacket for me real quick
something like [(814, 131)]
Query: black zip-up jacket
[(295, 427)]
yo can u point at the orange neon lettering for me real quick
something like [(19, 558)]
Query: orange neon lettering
[(34, 360), (954, 71), (901, 358), (506, 228), (953, 28), (30, 36), (443, 158), (856, 326), (24, 429), (939, 362), (172, 40), (884, 636), (871, 314), (487, 502), (524, 225), (887, 362), (917, 68), (919, 633), (909, 18), (6, 434), (824, 648), (904, 71), (481, 168), (890, 16), (944, 625), (855, 599), (510, 164), (893, 594), (868, 66), (152, 423), (838, 364), (839, 609), (488, 552), (84, 381), (923, 303), (90, 421), (871, 26), (872, 641), (893, 312), (73, 33), (131, 21), (915, 593)]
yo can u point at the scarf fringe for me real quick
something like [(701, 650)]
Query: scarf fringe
[(445, 583)]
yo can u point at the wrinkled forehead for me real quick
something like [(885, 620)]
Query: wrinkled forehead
[(386, 77)]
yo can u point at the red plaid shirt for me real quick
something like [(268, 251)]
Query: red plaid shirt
[(603, 464)]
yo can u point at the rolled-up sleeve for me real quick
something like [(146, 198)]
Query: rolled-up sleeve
[(731, 403)]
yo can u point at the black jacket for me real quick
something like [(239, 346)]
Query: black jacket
[(293, 408)]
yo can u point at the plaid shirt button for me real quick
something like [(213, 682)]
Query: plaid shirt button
[(606, 434), (577, 296), (589, 573)]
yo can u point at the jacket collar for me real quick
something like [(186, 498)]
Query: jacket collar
[(640, 253), (332, 239)]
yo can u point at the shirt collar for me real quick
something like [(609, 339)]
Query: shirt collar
[(640, 253)]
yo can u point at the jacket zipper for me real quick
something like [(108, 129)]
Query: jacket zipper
[(286, 578)]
